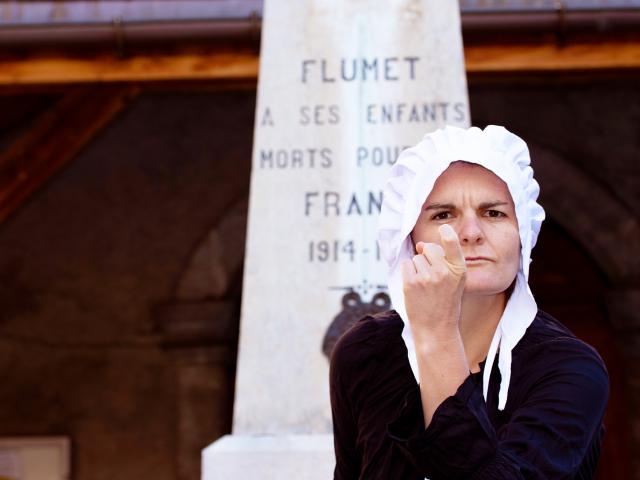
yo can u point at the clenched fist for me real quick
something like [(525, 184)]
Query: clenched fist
[(433, 284)]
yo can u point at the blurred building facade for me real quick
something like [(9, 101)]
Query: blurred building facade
[(125, 155)]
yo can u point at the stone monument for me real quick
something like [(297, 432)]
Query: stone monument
[(344, 86)]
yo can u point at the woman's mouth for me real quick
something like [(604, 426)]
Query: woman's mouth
[(476, 259)]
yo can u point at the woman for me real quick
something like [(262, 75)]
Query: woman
[(458, 222)]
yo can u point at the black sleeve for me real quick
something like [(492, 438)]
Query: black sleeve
[(344, 422), (559, 414)]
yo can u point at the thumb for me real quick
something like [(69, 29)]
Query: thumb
[(452, 249)]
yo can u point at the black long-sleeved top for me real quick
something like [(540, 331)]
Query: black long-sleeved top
[(551, 427)]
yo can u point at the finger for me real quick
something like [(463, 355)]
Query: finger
[(433, 253), (408, 270), (421, 265), (452, 249), (419, 247)]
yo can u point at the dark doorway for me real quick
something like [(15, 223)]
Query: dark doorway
[(567, 284)]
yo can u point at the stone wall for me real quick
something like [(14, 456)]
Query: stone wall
[(92, 263)]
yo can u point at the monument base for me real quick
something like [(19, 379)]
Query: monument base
[(269, 457)]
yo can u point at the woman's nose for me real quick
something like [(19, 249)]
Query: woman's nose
[(470, 231)]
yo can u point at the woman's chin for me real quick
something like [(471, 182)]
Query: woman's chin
[(485, 288)]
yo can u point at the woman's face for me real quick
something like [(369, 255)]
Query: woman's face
[(479, 207)]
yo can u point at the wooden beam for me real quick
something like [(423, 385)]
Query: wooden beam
[(550, 57), (54, 139), (216, 64), (204, 64)]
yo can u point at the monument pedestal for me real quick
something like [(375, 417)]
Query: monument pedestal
[(269, 457)]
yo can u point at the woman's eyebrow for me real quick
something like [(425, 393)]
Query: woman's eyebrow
[(439, 206), (495, 203), (451, 206)]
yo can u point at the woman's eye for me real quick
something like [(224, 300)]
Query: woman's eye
[(442, 216), (495, 214)]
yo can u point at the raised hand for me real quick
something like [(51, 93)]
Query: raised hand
[(433, 283)]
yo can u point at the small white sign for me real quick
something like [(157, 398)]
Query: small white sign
[(35, 458)]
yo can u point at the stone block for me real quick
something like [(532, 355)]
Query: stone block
[(269, 457)]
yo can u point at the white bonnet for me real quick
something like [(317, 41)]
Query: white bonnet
[(411, 180)]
